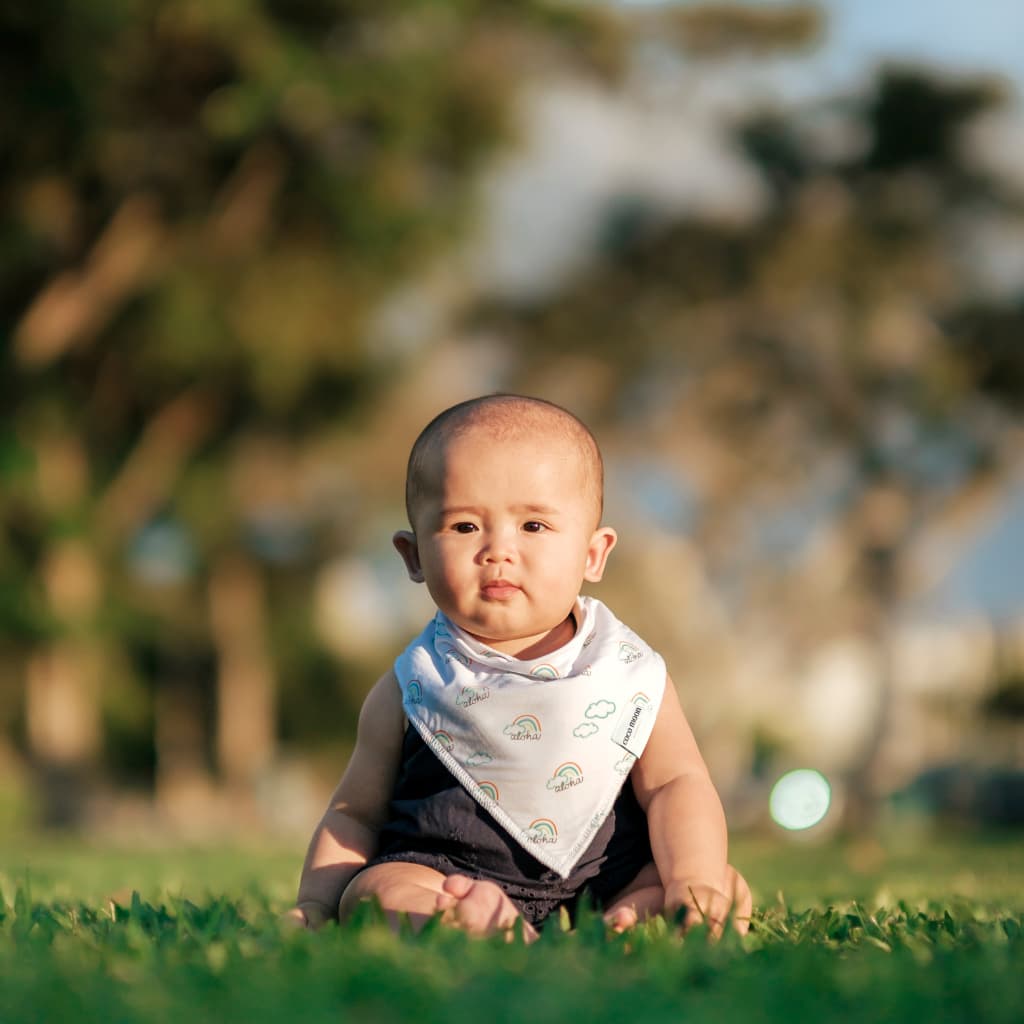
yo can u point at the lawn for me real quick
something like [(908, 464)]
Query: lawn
[(905, 928)]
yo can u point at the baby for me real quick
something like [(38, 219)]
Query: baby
[(487, 780)]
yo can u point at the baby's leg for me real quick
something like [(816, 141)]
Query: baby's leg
[(401, 888)]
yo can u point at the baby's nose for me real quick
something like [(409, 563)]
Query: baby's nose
[(500, 547)]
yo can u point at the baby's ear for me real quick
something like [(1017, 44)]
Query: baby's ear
[(601, 543), (405, 545)]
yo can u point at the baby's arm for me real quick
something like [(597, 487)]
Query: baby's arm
[(346, 836), (684, 816)]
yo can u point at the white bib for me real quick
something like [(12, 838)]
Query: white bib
[(543, 745)]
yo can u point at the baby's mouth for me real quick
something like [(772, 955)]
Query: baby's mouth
[(499, 589)]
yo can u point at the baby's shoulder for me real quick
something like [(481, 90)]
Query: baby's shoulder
[(382, 708)]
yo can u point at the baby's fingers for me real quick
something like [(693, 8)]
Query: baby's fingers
[(742, 900), (708, 907), (621, 919)]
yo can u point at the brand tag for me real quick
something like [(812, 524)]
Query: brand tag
[(634, 726)]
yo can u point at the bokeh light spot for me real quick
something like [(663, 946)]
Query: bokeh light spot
[(800, 799)]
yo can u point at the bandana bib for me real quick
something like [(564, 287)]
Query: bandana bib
[(545, 745)]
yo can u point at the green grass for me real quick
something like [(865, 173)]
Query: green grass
[(899, 930)]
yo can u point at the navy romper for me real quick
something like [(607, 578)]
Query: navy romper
[(435, 822)]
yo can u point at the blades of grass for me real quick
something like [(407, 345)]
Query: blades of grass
[(428, 931), (22, 923)]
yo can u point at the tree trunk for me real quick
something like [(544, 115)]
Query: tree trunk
[(62, 688), (246, 717)]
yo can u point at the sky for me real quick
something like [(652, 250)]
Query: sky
[(603, 145), (983, 35), (963, 37), (988, 576)]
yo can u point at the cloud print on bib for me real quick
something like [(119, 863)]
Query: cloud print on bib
[(629, 653), (600, 709), (471, 695)]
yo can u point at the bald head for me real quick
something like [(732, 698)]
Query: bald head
[(505, 418)]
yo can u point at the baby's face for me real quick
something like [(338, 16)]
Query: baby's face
[(506, 536)]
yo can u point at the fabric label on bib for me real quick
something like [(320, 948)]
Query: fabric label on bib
[(634, 726)]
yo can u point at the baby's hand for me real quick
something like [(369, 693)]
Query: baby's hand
[(700, 904), (704, 904)]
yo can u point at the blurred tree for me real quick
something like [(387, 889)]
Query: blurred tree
[(831, 352), (724, 29), (200, 205)]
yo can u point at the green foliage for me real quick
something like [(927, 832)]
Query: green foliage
[(228, 960), (200, 207), (227, 957)]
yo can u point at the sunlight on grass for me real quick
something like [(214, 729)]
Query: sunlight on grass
[(867, 931)]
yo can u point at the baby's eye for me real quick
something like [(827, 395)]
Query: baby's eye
[(464, 527), (534, 527)]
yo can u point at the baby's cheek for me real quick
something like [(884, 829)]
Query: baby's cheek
[(444, 592)]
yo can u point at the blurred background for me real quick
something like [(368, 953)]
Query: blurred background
[(772, 253)]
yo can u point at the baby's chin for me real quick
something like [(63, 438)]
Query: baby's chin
[(527, 646)]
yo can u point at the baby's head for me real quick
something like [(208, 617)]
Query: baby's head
[(505, 420), (504, 496)]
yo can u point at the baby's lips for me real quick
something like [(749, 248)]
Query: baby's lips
[(498, 587)]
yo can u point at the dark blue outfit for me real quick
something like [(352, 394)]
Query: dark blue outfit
[(435, 822)]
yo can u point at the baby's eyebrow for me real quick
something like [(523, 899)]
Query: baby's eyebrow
[(532, 509)]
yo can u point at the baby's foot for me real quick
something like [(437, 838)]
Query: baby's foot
[(479, 908)]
